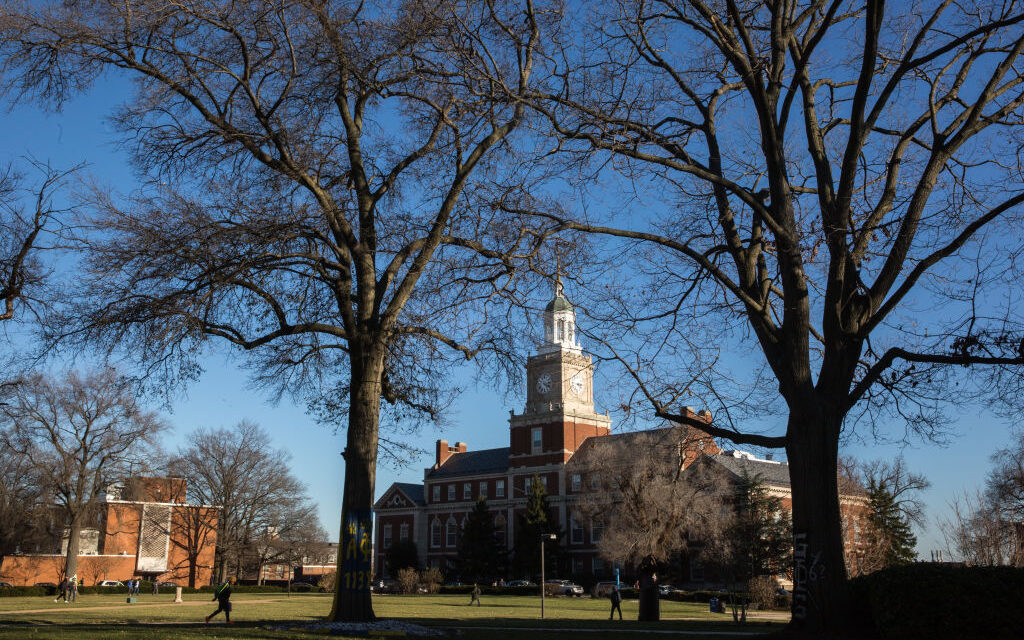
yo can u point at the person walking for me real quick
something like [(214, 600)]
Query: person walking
[(156, 587), (74, 588), (616, 603), (475, 595), (222, 594), (62, 590)]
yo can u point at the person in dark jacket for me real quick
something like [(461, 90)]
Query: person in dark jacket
[(474, 596), (616, 603), (222, 594)]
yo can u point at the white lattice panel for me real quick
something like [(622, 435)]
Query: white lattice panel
[(154, 538)]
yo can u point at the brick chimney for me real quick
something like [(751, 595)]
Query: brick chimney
[(443, 451)]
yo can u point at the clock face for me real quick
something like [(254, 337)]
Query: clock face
[(576, 383), (544, 383)]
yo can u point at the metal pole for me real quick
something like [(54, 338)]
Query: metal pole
[(542, 578)]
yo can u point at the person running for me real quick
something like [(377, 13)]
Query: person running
[(222, 594), (616, 603), (475, 595)]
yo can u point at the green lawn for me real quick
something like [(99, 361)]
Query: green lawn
[(515, 617)]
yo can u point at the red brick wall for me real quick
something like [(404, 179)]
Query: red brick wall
[(28, 570)]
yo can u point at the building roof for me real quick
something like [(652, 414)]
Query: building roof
[(559, 303), (414, 491), (473, 462), (771, 472)]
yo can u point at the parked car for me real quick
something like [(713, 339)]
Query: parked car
[(168, 584), (563, 587), (520, 583), (666, 589), (385, 586), (6, 585), (602, 589), (45, 584), (109, 583)]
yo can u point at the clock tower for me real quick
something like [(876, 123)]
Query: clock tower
[(559, 411)]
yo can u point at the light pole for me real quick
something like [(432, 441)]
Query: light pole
[(546, 536)]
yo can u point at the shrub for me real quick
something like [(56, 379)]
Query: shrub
[(762, 591), (926, 600), (407, 580), (327, 580), (431, 578), (18, 592)]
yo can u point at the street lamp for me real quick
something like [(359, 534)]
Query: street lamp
[(546, 536)]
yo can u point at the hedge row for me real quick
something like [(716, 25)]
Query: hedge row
[(924, 600)]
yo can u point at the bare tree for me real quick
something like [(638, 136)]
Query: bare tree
[(976, 533), (27, 211), (239, 472), (24, 504), (831, 187), (81, 434), (647, 505), (316, 169)]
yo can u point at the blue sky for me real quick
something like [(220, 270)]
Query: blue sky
[(222, 397)]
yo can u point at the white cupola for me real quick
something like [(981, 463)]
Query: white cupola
[(559, 323)]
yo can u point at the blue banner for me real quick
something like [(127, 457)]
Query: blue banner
[(356, 551)]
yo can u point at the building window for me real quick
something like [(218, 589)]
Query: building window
[(597, 566), (577, 565), (596, 530), (536, 440), (403, 532), (437, 493), (499, 531), (483, 490), (451, 533), (577, 482), (387, 536), (576, 529), (435, 533), (499, 489), (527, 483), (595, 482), (451, 492), (544, 481)]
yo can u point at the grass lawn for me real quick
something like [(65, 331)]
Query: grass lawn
[(514, 617)]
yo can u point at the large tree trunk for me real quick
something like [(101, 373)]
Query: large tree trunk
[(193, 560), (74, 536), (352, 591), (820, 597)]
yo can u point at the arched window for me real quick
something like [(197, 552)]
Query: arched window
[(561, 331), (451, 532), (435, 533), (499, 531)]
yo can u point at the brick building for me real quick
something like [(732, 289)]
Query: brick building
[(557, 423), (144, 529)]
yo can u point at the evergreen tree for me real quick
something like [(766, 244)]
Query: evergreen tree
[(762, 530), (402, 555), (480, 558), (536, 521), (889, 531)]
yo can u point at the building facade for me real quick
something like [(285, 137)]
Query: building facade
[(144, 529), (558, 422)]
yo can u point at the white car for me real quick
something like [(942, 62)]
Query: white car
[(109, 583)]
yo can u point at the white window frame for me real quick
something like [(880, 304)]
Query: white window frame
[(437, 493), (435, 528), (537, 440), (403, 531), (595, 537), (575, 528), (467, 491), (451, 532), (386, 536), (577, 482), (499, 488), (597, 566), (527, 483), (451, 493)]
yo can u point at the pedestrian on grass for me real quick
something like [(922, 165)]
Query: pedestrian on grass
[(62, 590), (475, 595), (222, 594), (74, 588), (156, 587), (616, 603)]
